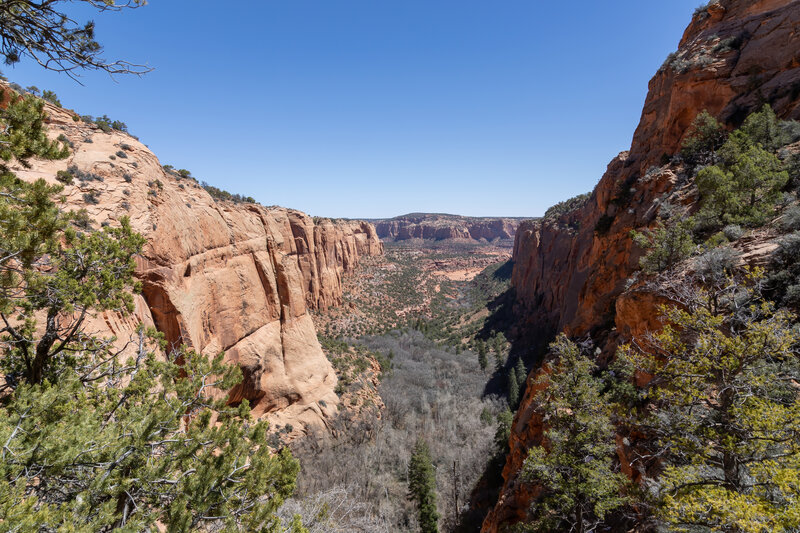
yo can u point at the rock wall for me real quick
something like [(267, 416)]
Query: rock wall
[(570, 272), (441, 227), (219, 276)]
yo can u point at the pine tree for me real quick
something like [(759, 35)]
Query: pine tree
[(706, 136), (522, 374), (483, 360), (422, 487), (666, 244), (723, 410), (745, 186), (576, 467), (513, 389)]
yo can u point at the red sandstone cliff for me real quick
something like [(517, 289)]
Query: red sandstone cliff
[(218, 275), (431, 226), (570, 273)]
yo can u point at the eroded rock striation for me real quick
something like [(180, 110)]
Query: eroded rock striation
[(434, 226), (216, 275), (571, 272)]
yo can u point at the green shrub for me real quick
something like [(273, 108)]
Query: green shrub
[(747, 184), (51, 97), (566, 206), (717, 239), (667, 245), (91, 197), (706, 135), (81, 219), (65, 177), (122, 154), (784, 278)]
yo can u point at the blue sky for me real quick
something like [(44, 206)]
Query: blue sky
[(367, 108)]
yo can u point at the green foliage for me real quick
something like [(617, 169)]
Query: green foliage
[(724, 411), (567, 206), (503, 432), (85, 272), (51, 97), (23, 135), (513, 389), (65, 177), (522, 373), (706, 135), (744, 188), (667, 245), (483, 360), (784, 277), (221, 194), (422, 487), (576, 468), (765, 130), (100, 449)]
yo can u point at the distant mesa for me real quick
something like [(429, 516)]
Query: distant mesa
[(441, 226)]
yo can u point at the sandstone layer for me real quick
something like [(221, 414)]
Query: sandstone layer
[(218, 276), (571, 272), (433, 226)]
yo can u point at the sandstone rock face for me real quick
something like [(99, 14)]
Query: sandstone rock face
[(571, 272), (219, 276), (440, 227)]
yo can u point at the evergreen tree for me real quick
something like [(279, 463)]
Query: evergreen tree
[(705, 137), (574, 465), (522, 374), (513, 389), (422, 487), (666, 245), (723, 410), (483, 360), (745, 186), (126, 445)]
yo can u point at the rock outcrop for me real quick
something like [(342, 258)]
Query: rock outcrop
[(433, 226), (216, 275), (571, 272)]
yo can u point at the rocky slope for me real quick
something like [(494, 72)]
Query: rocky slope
[(571, 272), (433, 226), (218, 276)]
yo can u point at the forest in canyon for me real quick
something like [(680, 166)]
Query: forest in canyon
[(178, 357)]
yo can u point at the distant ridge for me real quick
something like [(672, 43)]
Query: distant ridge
[(442, 226)]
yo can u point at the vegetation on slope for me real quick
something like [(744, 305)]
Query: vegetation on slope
[(707, 406), (94, 440)]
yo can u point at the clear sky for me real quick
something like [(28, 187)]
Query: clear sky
[(375, 108)]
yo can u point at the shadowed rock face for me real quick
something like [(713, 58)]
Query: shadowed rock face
[(219, 276), (431, 226), (570, 272)]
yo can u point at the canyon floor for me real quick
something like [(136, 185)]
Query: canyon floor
[(405, 349)]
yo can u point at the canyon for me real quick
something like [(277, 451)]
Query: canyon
[(572, 273), (356, 338), (216, 275)]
